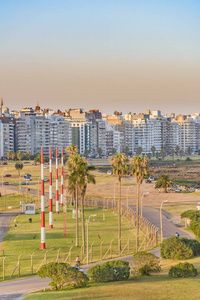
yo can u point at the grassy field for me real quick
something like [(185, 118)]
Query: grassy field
[(151, 288), (12, 201), (25, 239)]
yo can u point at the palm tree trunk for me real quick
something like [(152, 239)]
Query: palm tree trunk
[(83, 222), (77, 214), (137, 216), (119, 218)]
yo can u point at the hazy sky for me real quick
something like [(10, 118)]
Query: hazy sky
[(113, 54)]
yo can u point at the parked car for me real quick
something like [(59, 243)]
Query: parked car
[(46, 167), (148, 180), (7, 175), (5, 163), (26, 162), (25, 183), (27, 174), (46, 180), (177, 190), (151, 178), (6, 183), (27, 178)]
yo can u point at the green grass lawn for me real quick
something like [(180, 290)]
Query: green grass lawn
[(151, 288), (20, 240), (12, 201)]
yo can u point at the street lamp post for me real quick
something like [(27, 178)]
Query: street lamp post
[(87, 222), (161, 227), (146, 193), (127, 195), (114, 193)]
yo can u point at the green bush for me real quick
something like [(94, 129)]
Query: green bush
[(194, 216), (63, 275), (183, 270), (110, 271), (194, 245), (144, 263), (175, 248)]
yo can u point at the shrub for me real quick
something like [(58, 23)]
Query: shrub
[(110, 271), (194, 245), (175, 248), (194, 216), (183, 270), (63, 275), (144, 263)]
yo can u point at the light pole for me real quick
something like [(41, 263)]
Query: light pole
[(127, 195), (114, 193), (87, 222), (146, 193), (161, 227)]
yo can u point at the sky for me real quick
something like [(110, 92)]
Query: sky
[(101, 54)]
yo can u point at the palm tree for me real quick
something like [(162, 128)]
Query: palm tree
[(20, 155), (99, 150), (189, 150), (163, 154), (172, 153), (139, 167), (84, 178), (139, 151), (120, 168), (181, 153), (126, 150), (163, 182), (153, 150), (157, 155), (19, 166), (12, 155), (71, 150), (74, 170), (177, 149), (86, 152), (8, 155), (149, 155)]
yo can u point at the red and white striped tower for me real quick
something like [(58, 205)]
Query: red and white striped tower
[(42, 203), (50, 192), (57, 197), (62, 181)]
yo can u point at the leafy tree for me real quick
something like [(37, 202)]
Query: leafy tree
[(157, 155), (126, 150), (120, 168), (163, 182), (8, 155), (19, 166), (177, 150), (139, 151), (99, 151), (172, 153), (189, 150), (113, 151), (181, 153), (153, 150), (86, 152), (144, 263), (71, 150), (138, 167), (13, 155), (28, 155), (65, 159), (37, 158), (20, 155), (62, 275)]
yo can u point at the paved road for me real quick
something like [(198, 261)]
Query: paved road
[(169, 228)]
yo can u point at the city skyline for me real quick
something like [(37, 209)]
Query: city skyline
[(123, 55)]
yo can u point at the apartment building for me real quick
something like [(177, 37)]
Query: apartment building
[(7, 129)]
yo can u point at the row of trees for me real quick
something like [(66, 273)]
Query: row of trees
[(11, 155), (80, 175), (164, 152)]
